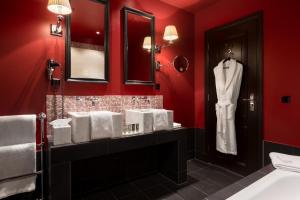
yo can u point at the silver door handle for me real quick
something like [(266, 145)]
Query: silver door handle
[(251, 101)]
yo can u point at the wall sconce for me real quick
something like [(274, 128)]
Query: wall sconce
[(59, 7), (170, 35)]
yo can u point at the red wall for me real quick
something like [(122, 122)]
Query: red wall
[(281, 61), (25, 46)]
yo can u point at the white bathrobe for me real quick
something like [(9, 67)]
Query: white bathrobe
[(228, 82)]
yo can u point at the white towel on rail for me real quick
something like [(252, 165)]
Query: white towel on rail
[(17, 186), (17, 160), (17, 154), (285, 162), (17, 129)]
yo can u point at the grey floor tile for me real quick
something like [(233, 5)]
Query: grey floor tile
[(100, 196), (191, 193), (206, 185), (158, 192), (136, 196), (194, 165), (174, 187), (213, 198), (173, 196), (186, 191), (160, 178), (227, 191), (124, 190), (218, 176), (227, 172), (150, 181)]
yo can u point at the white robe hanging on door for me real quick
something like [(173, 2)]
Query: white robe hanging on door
[(228, 83)]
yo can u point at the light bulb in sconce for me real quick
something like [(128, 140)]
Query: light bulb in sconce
[(59, 7), (147, 43), (57, 29), (170, 34)]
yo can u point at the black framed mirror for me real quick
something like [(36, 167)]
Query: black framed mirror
[(139, 47), (87, 41)]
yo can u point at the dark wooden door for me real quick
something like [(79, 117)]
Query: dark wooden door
[(243, 38)]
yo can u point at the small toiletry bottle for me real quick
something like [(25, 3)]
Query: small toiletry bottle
[(137, 128), (129, 127), (125, 130)]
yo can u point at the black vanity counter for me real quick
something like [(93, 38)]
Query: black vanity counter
[(241, 184), (118, 159)]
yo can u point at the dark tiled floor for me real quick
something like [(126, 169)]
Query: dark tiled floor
[(203, 179)]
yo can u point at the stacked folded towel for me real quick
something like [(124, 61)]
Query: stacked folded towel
[(17, 186), (285, 162), (17, 154), (101, 124), (17, 129), (17, 160), (160, 119)]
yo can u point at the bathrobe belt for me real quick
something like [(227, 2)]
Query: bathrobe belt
[(222, 115)]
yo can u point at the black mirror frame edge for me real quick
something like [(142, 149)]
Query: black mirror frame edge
[(106, 47), (127, 10)]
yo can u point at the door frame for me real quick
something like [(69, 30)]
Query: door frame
[(258, 16)]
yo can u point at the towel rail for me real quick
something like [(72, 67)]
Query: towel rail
[(21, 176), (41, 117)]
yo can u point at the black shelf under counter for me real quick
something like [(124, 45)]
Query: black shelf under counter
[(81, 168)]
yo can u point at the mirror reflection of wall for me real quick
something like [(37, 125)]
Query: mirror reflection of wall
[(139, 36), (87, 50), (138, 28)]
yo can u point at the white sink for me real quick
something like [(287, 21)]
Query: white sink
[(86, 127), (80, 126), (144, 117)]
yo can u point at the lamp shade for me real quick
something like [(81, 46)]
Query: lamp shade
[(60, 7), (147, 43), (170, 33)]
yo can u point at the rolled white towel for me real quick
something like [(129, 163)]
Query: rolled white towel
[(285, 162), (160, 119), (101, 124)]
